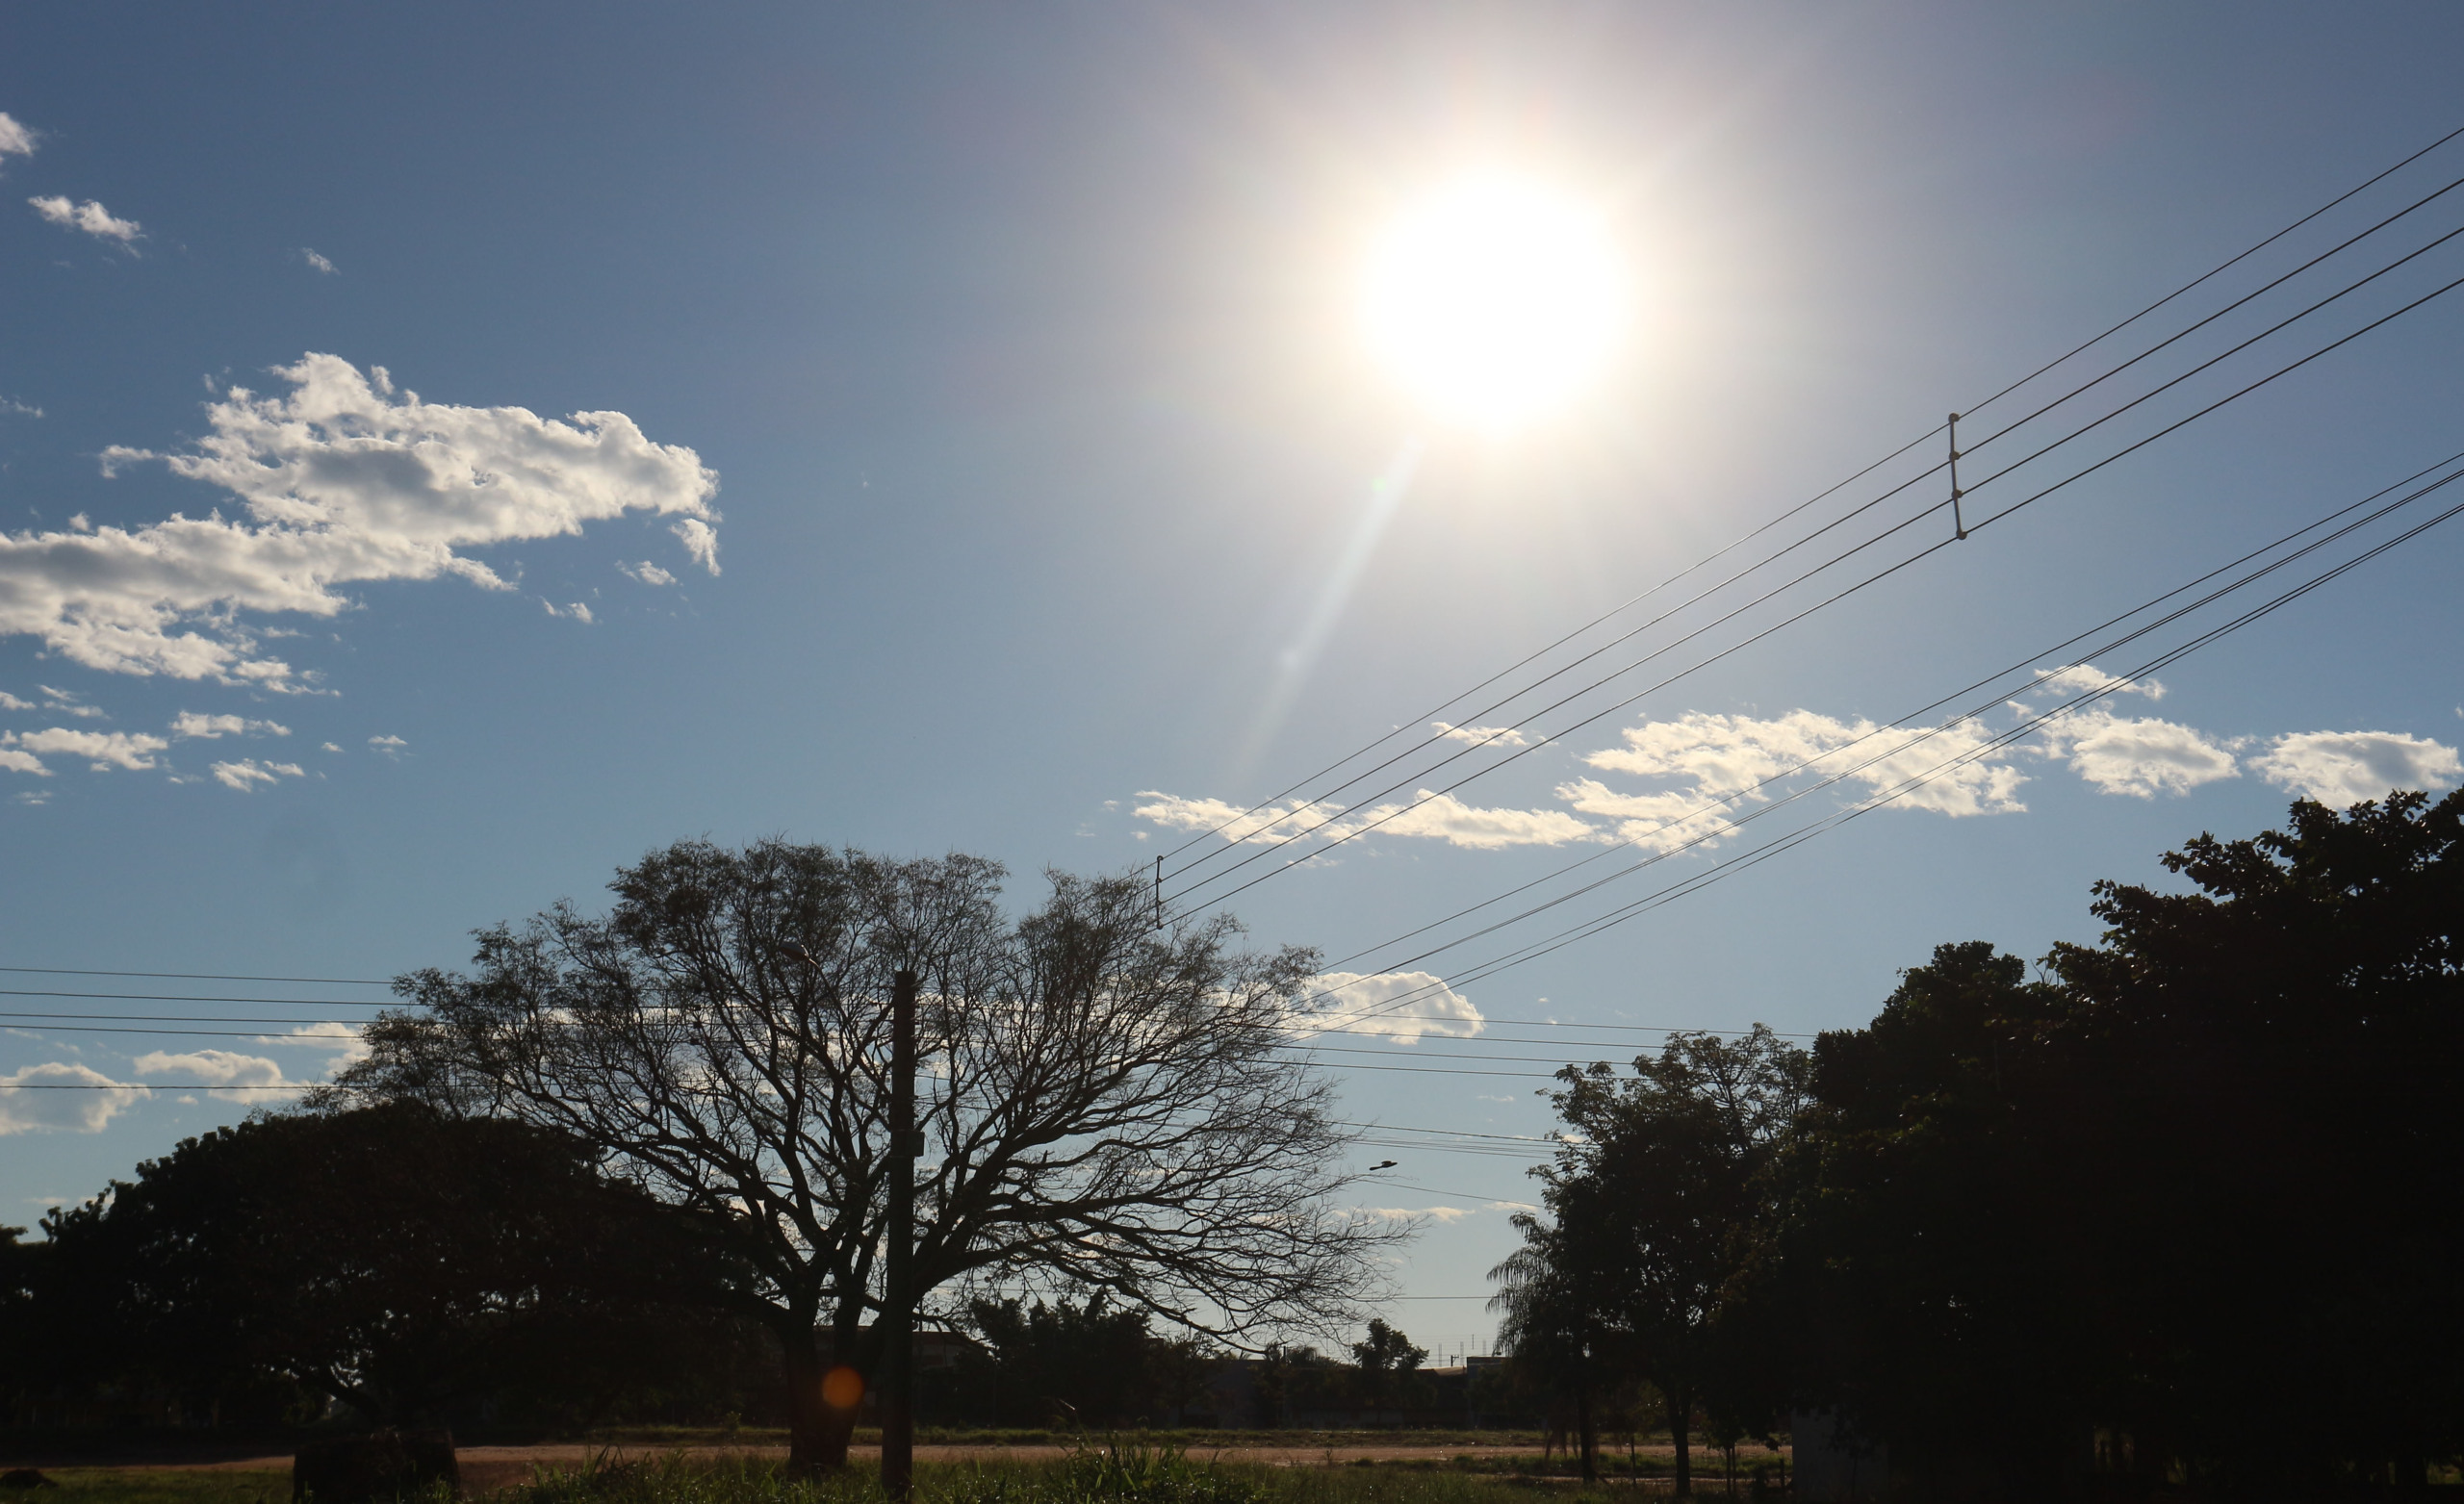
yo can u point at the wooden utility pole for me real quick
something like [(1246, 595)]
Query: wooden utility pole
[(896, 1393)]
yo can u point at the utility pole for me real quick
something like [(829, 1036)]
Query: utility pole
[(897, 1389)]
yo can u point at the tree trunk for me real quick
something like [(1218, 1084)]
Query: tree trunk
[(1680, 1416), (1583, 1438), (810, 1450)]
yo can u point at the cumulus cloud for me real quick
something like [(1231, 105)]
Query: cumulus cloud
[(1400, 1004), (647, 572), (343, 481), (218, 1069), (103, 750), (9, 702), (1725, 760), (318, 263), (89, 217), (188, 724), (391, 746), (1267, 823), (2344, 768), (15, 140), (699, 542), (1442, 817), (248, 773), (59, 1098), (16, 761), (577, 611), (1480, 735), (2143, 756)]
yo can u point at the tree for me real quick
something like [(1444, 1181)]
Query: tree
[(390, 1259), (1384, 1358), (2168, 1209), (1658, 1193), (1106, 1105)]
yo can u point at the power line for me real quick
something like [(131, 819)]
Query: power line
[(1362, 828), (192, 976), (1796, 510), (1679, 889), (1724, 802)]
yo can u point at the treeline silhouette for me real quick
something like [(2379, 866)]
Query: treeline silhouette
[(2176, 1210)]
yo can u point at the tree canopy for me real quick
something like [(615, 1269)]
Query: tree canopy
[(1106, 1105)]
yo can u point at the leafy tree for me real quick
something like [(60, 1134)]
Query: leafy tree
[(390, 1259), (2179, 1194), (1106, 1105), (1658, 1192), (1385, 1357)]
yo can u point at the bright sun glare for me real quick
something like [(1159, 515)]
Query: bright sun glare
[(1496, 300)]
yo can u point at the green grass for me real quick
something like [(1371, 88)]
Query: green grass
[(161, 1486)]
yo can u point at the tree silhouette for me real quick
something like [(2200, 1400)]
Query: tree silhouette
[(1105, 1106)]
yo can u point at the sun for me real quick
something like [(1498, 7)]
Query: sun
[(1495, 301)]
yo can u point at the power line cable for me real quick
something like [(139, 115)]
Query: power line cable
[(2040, 371), (1362, 827)]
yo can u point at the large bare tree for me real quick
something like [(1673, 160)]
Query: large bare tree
[(1105, 1105)]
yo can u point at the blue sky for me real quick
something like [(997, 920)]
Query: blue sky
[(975, 449)]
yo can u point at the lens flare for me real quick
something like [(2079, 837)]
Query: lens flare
[(1495, 301)]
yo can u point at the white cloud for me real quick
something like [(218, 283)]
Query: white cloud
[(2142, 757), (342, 1039), (332, 747), (1667, 820), (11, 405), (1433, 816), (9, 702), (1268, 823), (102, 750), (699, 542), (647, 572), (1421, 1003), (248, 773), (217, 1069), (64, 1099), (343, 481), (63, 702), (190, 724), (90, 216), (1407, 1213), (391, 746), (2081, 677), (577, 611), (2344, 768), (1442, 817), (317, 261), (1727, 759), (16, 761), (1480, 735), (15, 140)]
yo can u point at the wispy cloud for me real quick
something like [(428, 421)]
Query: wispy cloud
[(700, 541), (1480, 735), (1442, 817), (317, 261), (188, 724), (647, 572), (15, 140), (90, 216), (391, 746), (67, 1099), (220, 1069), (1267, 823), (343, 481), (248, 773)]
